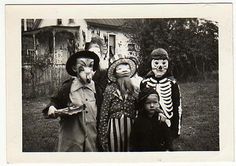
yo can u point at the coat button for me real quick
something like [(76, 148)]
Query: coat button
[(86, 99)]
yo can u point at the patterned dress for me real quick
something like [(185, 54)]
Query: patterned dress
[(116, 118)]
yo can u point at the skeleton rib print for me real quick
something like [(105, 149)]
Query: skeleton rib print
[(164, 91)]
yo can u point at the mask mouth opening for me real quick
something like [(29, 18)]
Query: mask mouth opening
[(88, 80)]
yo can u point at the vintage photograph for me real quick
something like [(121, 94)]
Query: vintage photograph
[(120, 85)]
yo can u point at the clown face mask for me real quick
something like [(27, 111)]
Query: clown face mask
[(122, 70), (84, 69), (159, 67)]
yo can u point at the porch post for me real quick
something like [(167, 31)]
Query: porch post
[(34, 52), (34, 41), (25, 24), (54, 46)]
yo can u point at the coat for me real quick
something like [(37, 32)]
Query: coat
[(74, 134), (149, 134)]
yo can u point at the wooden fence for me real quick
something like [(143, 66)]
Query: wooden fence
[(42, 82)]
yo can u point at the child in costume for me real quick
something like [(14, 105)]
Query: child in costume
[(150, 131), (136, 79), (78, 132), (161, 79), (118, 108)]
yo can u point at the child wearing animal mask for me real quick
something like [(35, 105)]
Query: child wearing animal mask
[(161, 79), (78, 132), (118, 108)]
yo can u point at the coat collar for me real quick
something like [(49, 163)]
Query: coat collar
[(76, 84)]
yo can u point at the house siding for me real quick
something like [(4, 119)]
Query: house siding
[(43, 81)]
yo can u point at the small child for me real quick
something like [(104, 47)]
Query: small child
[(150, 131), (161, 79), (118, 107), (78, 131)]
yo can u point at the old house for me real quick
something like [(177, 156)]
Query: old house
[(47, 44)]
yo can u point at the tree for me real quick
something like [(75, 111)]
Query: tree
[(192, 43)]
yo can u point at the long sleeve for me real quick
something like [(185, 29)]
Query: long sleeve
[(177, 110), (60, 99), (103, 120)]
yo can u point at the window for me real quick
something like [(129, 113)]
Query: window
[(131, 47), (71, 21), (30, 24), (59, 21), (112, 45)]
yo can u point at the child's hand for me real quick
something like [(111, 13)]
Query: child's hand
[(162, 117), (159, 110), (51, 111)]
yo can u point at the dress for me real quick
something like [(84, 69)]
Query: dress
[(116, 118)]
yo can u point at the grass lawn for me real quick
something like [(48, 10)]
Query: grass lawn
[(200, 123)]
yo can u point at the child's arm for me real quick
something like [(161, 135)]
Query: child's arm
[(177, 110), (103, 120), (57, 101)]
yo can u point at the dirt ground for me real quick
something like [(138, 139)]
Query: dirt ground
[(200, 123)]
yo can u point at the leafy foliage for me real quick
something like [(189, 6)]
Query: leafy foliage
[(192, 43)]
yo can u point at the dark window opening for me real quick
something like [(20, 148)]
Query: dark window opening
[(59, 21)]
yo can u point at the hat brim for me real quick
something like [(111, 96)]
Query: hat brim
[(81, 54), (111, 69)]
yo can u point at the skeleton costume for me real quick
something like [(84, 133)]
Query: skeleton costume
[(165, 84)]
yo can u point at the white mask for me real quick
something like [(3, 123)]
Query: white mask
[(84, 69), (123, 70), (159, 67)]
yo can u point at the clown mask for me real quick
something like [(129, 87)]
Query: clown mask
[(123, 70), (159, 67), (84, 69)]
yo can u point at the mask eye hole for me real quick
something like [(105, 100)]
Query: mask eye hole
[(156, 62), (91, 64)]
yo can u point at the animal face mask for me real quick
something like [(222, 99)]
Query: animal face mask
[(159, 67), (84, 69)]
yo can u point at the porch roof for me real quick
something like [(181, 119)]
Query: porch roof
[(51, 28)]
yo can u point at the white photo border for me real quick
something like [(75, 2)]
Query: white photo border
[(222, 13)]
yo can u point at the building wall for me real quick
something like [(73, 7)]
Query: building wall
[(46, 80), (121, 42), (47, 22)]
